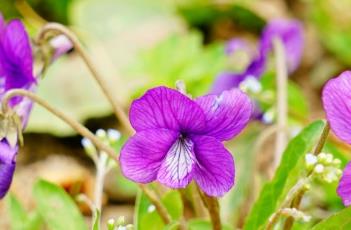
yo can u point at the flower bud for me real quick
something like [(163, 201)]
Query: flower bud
[(251, 84), (268, 116), (111, 224), (311, 160), (322, 157), (113, 135), (120, 221), (337, 162), (100, 133), (329, 158), (319, 169), (61, 45), (88, 146)]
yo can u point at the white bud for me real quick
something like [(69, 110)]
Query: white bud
[(322, 157), (268, 116), (337, 162), (120, 221), (310, 160), (113, 135), (251, 84), (100, 133), (151, 208), (319, 168), (338, 172), (88, 146), (329, 158), (111, 224)]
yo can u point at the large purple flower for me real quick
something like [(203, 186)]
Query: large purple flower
[(178, 139), (16, 71), (337, 105)]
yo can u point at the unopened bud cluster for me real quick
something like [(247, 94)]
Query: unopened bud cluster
[(111, 137), (119, 224), (324, 166)]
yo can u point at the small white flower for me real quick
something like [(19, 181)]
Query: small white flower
[(310, 159), (251, 84), (113, 135), (151, 208), (319, 168)]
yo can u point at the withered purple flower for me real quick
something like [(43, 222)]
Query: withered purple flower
[(336, 102), (16, 71), (178, 139)]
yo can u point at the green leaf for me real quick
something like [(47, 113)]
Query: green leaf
[(57, 208), (203, 225), (97, 219), (146, 217), (20, 220), (339, 221), (286, 175)]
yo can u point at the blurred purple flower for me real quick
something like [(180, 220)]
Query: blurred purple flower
[(16, 71), (337, 106), (179, 139), (289, 31), (291, 34)]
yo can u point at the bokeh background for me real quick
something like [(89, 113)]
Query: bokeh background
[(137, 44)]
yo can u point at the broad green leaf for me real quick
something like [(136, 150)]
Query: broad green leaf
[(146, 217), (203, 225), (287, 173), (57, 208), (20, 220), (339, 221)]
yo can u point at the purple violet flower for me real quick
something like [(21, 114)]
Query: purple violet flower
[(291, 34), (16, 71), (179, 139), (336, 102), (289, 31)]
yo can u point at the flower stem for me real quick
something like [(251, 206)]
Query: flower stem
[(71, 122), (212, 206), (297, 200), (100, 178), (282, 108), (295, 190), (84, 132), (158, 205), (58, 28)]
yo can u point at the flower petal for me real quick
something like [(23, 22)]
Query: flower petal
[(226, 81), (227, 114), (337, 105), (176, 169), (6, 172), (162, 107), (344, 188), (7, 166), (291, 34), (142, 155), (214, 172), (16, 56)]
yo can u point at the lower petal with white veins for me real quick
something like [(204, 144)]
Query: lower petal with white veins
[(176, 169)]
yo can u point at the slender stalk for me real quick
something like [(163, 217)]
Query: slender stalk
[(158, 205), (71, 122), (58, 28), (282, 108), (84, 132), (100, 177), (212, 206)]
